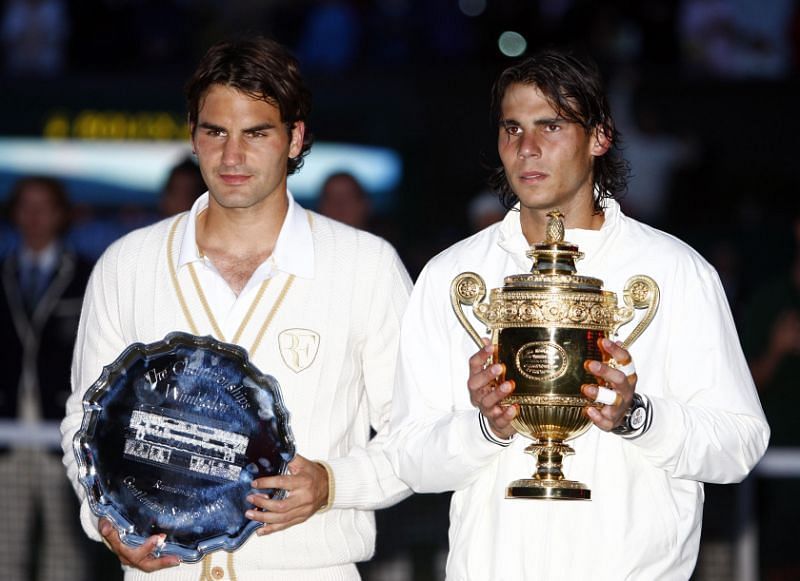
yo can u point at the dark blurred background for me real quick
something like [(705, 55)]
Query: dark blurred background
[(705, 94)]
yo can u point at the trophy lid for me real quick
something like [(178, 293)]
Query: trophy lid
[(554, 263)]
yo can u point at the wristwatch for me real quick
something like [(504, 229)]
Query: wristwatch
[(637, 419)]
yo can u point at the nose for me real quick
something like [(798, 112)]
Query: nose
[(232, 152), (529, 145)]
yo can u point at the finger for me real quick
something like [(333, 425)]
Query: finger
[(501, 424), (274, 521), (258, 500), (142, 556), (491, 399), (291, 500), (612, 412), (273, 518), (615, 350), (627, 370), (608, 374), (599, 418), (608, 396), (478, 361), (486, 378), (272, 482), (504, 416)]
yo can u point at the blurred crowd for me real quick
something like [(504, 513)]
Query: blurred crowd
[(696, 87), (724, 38)]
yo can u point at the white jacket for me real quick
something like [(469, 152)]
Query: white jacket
[(643, 521), (351, 289)]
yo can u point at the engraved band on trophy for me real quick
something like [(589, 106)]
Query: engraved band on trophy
[(173, 435), (543, 326)]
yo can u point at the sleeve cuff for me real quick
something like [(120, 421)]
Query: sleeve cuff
[(490, 435), (331, 486)]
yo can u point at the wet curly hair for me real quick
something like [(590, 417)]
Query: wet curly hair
[(574, 88)]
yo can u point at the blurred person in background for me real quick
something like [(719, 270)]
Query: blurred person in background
[(771, 339), (43, 282), (329, 321), (183, 186), (343, 198)]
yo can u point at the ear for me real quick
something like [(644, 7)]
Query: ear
[(601, 142), (297, 134)]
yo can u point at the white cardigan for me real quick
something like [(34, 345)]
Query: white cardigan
[(354, 301), (643, 521)]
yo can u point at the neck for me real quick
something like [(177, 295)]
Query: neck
[(534, 220), (243, 232), (37, 245)]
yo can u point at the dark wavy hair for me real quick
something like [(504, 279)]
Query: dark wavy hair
[(262, 69), (574, 88)]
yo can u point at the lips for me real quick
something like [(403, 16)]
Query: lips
[(532, 176), (234, 179)]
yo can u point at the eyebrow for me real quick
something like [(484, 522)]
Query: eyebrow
[(205, 125), (539, 122), (550, 121), (259, 127), (253, 129)]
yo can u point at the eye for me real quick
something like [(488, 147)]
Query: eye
[(214, 132), (513, 129), (256, 134), (553, 127)]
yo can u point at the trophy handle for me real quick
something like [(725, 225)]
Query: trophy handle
[(640, 292), (467, 288)]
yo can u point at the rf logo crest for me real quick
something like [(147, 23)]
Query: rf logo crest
[(298, 348)]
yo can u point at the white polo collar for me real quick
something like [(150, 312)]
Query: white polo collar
[(294, 249)]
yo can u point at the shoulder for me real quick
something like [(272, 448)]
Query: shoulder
[(332, 236), (143, 244), (659, 247), (470, 253)]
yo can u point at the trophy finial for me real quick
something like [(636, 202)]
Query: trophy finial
[(555, 227), (554, 255)]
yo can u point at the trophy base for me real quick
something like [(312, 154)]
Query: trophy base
[(548, 489)]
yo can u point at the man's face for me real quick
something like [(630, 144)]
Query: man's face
[(242, 147), (38, 217), (547, 159)]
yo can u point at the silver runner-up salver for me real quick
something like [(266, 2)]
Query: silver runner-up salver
[(173, 435)]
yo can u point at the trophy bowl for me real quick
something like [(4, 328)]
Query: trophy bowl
[(173, 435), (544, 326)]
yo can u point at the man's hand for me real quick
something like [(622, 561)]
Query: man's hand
[(610, 416), (140, 557), (306, 488), (485, 394)]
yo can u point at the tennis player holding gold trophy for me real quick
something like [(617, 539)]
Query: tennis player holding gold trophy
[(544, 325)]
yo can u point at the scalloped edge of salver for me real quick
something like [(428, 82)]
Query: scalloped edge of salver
[(87, 474)]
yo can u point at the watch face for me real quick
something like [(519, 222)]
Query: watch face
[(638, 417)]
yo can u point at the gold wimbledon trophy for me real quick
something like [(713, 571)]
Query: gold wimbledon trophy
[(543, 326)]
